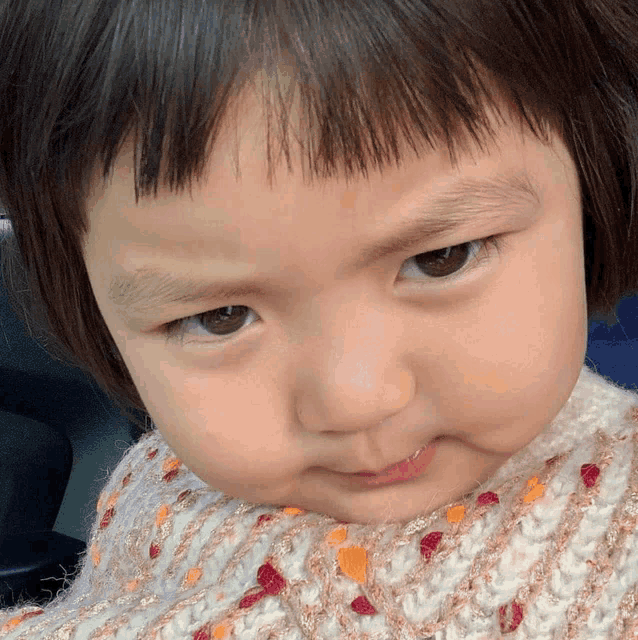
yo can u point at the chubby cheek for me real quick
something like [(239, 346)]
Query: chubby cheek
[(202, 415), (487, 381), (516, 369)]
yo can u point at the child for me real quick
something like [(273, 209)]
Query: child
[(366, 373)]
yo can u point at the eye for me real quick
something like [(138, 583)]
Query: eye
[(452, 262), (443, 265), (225, 320)]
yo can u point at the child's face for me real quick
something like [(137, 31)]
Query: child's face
[(343, 366)]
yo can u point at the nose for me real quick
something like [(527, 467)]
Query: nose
[(356, 380)]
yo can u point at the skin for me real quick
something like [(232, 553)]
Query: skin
[(344, 374)]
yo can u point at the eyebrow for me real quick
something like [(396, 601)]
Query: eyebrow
[(468, 200)]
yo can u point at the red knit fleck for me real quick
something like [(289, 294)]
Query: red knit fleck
[(429, 543), (26, 616), (270, 579), (589, 473), (183, 494), (249, 601), (362, 606), (263, 518), (107, 517), (489, 497), (517, 616), (152, 454), (201, 634), (126, 479), (170, 475), (154, 550)]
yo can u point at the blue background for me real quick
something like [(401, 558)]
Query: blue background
[(613, 351)]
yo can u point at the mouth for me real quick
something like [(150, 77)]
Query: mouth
[(403, 471), (392, 467)]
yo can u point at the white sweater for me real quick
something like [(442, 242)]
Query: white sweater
[(547, 548)]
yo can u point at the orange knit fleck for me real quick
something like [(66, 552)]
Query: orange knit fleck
[(193, 576), (536, 492), (162, 513), (132, 585), (293, 511), (95, 555), (12, 624), (337, 536), (220, 632), (353, 562), (170, 464), (456, 514)]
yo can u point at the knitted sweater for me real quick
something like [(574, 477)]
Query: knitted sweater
[(547, 548)]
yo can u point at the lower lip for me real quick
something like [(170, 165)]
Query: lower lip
[(400, 472)]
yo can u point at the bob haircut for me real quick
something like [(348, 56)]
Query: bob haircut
[(79, 78)]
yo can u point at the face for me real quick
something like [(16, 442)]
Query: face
[(346, 365)]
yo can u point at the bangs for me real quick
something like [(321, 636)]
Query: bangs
[(368, 79)]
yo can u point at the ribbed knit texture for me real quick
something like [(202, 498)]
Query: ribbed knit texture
[(547, 548)]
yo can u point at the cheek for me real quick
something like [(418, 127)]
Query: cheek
[(510, 373), (489, 381), (191, 406), (201, 413)]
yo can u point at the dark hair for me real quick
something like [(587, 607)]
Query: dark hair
[(78, 77)]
